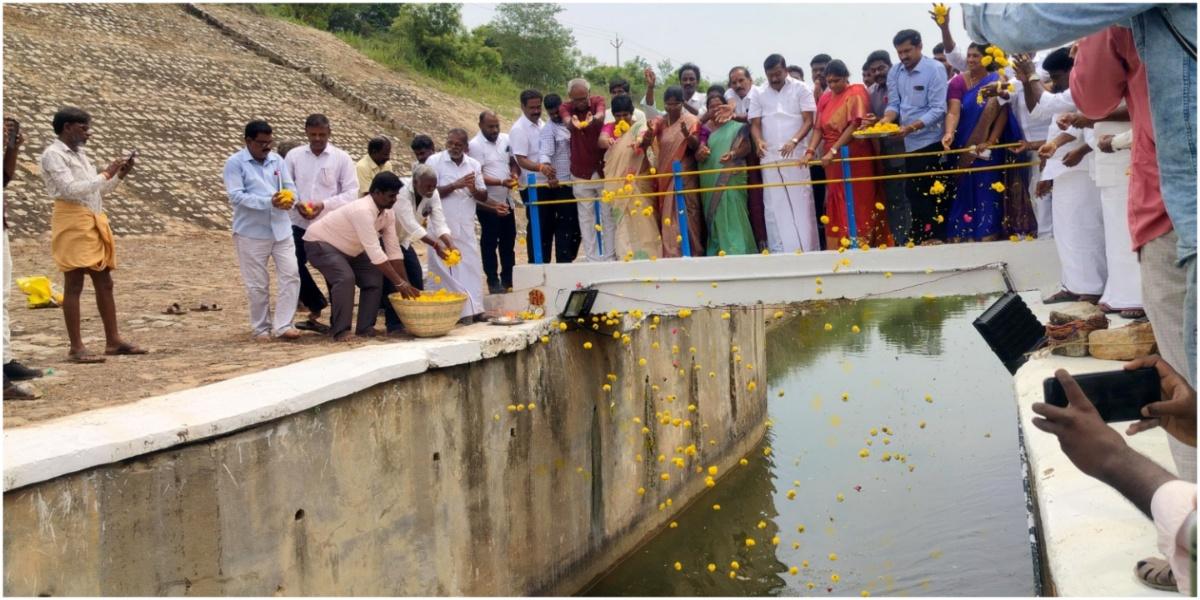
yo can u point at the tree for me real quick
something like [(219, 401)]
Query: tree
[(535, 49)]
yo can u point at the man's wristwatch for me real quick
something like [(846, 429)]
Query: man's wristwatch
[(795, 140)]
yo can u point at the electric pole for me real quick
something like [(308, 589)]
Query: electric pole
[(617, 44)]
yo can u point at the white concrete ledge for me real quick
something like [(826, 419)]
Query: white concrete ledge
[(781, 278), (43, 451), (1092, 535)]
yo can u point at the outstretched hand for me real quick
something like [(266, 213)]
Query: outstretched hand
[(1085, 438)]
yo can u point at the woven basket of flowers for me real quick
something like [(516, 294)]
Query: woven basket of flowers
[(432, 314)]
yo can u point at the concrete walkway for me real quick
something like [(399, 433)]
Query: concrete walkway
[(1092, 535)]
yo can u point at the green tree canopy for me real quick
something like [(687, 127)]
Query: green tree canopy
[(536, 49)]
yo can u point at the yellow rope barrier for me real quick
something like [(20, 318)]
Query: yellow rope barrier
[(794, 183), (791, 163)]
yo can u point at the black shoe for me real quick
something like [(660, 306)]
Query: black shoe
[(18, 372), (496, 288)]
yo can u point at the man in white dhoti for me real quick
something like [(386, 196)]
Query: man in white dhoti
[(1110, 171), (781, 118), (1078, 218), (461, 187)]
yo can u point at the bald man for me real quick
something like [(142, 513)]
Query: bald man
[(497, 222)]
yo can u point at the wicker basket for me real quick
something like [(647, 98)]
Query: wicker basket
[(427, 319)]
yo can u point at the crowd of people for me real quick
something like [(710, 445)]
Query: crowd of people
[(1079, 146)]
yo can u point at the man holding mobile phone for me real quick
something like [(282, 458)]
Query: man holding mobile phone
[(1100, 452), (81, 239), (14, 372)]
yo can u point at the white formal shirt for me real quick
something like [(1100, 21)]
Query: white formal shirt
[(448, 173), (1032, 127), (523, 141), (1051, 105), (493, 158), (741, 105), (1108, 168), (330, 177), (69, 175), (415, 220), (782, 112), (958, 57), (1054, 164)]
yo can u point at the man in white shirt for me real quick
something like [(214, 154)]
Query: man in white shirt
[(1110, 171), (1078, 217), (497, 223), (461, 187), (326, 179), (81, 240), (419, 217), (781, 118), (524, 140), (689, 79)]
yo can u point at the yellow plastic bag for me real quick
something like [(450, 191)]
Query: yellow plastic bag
[(40, 293)]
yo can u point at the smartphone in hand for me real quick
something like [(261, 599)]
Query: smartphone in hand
[(1117, 395), (14, 132)]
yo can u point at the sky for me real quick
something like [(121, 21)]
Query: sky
[(718, 37)]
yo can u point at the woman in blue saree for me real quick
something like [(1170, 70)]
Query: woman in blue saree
[(987, 204)]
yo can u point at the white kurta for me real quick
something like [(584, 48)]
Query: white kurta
[(459, 207), (1123, 288), (1078, 220), (789, 211)]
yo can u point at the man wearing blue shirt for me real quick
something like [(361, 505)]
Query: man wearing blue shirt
[(917, 102), (255, 178)]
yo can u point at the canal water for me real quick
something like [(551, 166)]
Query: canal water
[(945, 516)]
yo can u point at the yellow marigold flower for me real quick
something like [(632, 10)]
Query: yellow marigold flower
[(711, 567), (824, 219), (937, 188), (829, 327), (720, 253), (750, 543), (599, 227), (743, 462), (854, 329), (879, 206), (832, 556), (587, 345), (864, 453), (985, 61), (998, 187)]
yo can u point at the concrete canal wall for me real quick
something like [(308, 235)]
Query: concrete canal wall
[(386, 470)]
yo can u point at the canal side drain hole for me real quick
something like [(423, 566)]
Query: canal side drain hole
[(436, 456), (300, 514), (512, 432)]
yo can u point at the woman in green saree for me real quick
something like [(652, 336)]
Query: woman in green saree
[(725, 210)]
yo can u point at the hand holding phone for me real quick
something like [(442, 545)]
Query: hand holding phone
[(1117, 395)]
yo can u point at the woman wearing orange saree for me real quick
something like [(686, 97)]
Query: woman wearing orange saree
[(635, 217), (840, 111), (677, 135)]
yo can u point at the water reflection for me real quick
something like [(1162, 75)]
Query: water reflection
[(943, 516)]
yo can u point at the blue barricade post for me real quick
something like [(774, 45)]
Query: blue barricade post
[(681, 209), (849, 189), (534, 223), (599, 234)]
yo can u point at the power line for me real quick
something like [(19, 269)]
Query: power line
[(616, 43)]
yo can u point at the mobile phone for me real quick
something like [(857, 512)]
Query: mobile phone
[(1117, 395), (132, 155)]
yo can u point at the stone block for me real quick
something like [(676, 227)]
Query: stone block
[(1123, 343), (1078, 311)]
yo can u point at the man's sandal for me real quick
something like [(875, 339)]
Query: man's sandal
[(85, 358), (1156, 573), (125, 349), (174, 309)]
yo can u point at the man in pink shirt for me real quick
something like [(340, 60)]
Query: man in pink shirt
[(345, 247), (1107, 71)]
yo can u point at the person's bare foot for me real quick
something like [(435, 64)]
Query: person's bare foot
[(345, 336)]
